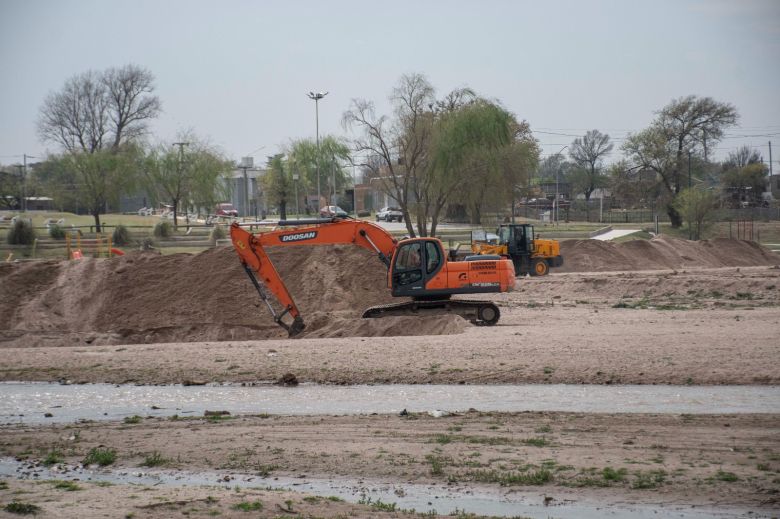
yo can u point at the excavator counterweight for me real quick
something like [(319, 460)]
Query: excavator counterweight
[(418, 268)]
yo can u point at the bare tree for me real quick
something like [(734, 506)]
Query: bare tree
[(588, 153), (98, 110), (95, 113), (130, 102), (742, 157), (401, 144)]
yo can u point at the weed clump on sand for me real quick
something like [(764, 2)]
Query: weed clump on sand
[(100, 456), (17, 507)]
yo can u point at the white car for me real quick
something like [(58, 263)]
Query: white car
[(389, 214)]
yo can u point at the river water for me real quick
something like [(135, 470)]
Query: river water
[(30, 402)]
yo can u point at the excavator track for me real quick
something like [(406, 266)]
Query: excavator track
[(482, 313)]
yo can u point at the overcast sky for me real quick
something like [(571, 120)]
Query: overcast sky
[(236, 72)]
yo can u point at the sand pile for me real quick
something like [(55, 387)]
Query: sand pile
[(144, 298), (662, 252)]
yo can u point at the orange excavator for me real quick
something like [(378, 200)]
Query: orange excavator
[(418, 268)]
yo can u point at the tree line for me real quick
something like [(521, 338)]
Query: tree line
[(452, 156)]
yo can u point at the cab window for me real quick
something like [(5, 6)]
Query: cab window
[(408, 264), (433, 257)]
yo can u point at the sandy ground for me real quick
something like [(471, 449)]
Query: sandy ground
[(715, 326), (685, 326)]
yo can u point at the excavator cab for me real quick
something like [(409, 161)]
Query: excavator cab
[(416, 262)]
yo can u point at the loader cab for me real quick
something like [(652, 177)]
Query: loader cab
[(415, 262), (519, 239)]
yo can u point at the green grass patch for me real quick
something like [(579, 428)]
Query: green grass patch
[(154, 459), (728, 477), (536, 442), (132, 419), (100, 456), (52, 458), (507, 478), (442, 439), (248, 506), (17, 507), (648, 479), (70, 486)]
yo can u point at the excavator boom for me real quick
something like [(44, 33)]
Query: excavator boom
[(251, 250)]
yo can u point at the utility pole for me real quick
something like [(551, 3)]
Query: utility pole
[(690, 226), (24, 181), (557, 170), (770, 160), (181, 146), (316, 97)]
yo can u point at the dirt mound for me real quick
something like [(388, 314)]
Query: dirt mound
[(662, 252), (144, 297)]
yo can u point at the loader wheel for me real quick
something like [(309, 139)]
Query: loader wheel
[(540, 268)]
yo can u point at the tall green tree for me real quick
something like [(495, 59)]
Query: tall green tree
[(187, 176), (278, 183), (696, 206), (98, 178), (303, 157), (689, 124)]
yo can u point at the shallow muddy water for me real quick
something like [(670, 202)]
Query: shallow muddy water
[(30, 402), (442, 499)]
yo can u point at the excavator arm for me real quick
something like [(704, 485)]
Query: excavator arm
[(259, 267)]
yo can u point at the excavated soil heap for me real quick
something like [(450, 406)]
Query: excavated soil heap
[(662, 252), (145, 297)]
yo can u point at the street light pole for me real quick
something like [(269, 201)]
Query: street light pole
[(317, 96), (181, 146), (297, 212)]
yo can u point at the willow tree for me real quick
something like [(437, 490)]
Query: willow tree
[(469, 149), (496, 175)]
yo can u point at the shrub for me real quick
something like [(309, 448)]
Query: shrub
[(121, 235), (217, 233), (22, 233), (163, 229), (56, 232)]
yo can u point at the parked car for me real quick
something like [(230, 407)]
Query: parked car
[(329, 211), (389, 214), (226, 210)]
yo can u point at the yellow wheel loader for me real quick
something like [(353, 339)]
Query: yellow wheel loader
[(529, 254)]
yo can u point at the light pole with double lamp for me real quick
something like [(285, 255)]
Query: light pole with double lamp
[(317, 96)]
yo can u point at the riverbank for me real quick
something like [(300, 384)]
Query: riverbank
[(700, 460)]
